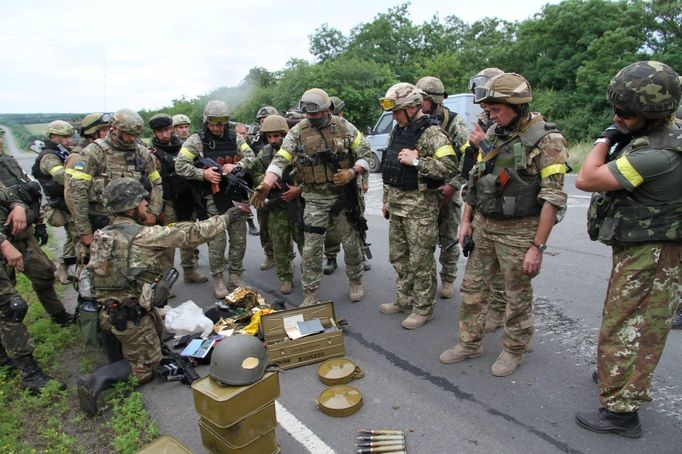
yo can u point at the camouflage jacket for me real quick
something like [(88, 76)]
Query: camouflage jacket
[(8, 200), (458, 133)]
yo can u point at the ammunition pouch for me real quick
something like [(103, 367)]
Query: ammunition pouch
[(122, 311), (596, 213), (509, 197), (319, 168), (628, 221)]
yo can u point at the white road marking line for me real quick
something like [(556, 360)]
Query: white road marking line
[(300, 432)]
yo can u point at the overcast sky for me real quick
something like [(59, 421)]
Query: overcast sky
[(85, 55)]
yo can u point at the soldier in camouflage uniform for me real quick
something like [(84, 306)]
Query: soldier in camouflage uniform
[(641, 222), (418, 161), (93, 126), (16, 346), (118, 155), (129, 306), (223, 145), (181, 125), (514, 196), (178, 203), (433, 92), (285, 203), (328, 153)]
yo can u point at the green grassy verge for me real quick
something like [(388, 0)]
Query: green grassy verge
[(577, 153)]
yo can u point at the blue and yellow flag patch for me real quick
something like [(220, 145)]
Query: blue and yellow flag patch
[(79, 165)]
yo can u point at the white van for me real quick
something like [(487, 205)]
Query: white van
[(378, 137)]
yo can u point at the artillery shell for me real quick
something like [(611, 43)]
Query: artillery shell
[(380, 437), (382, 449), (381, 431), (372, 444)]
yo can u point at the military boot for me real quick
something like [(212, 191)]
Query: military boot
[(309, 298), (506, 364), (220, 291), (285, 287), (234, 280), (62, 318), (493, 320), (677, 320), (32, 376), (330, 266), (192, 276), (459, 353), (268, 263), (89, 386), (62, 273), (356, 291), (414, 321), (446, 289), (390, 308), (604, 421), (6, 361)]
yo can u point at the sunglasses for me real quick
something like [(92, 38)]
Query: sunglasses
[(624, 114), (387, 103), (217, 121)]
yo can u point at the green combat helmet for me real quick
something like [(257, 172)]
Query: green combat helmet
[(123, 194), (218, 111), (505, 88), (238, 360), (649, 88), (274, 123), (433, 89), (482, 77), (314, 100), (338, 105), (181, 119), (160, 121), (129, 121), (60, 128), (266, 111), (400, 96), (95, 121)]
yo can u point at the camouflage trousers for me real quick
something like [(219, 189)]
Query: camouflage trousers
[(283, 231), (188, 256), (58, 217), (643, 294), (14, 336), (216, 247), (140, 344), (498, 254), (448, 226), (263, 216), (412, 247), (332, 242), (316, 219)]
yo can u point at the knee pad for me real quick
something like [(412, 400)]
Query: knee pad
[(15, 310)]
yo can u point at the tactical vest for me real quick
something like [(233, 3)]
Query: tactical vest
[(53, 190), (400, 176), (446, 119), (616, 217), (325, 151), (517, 198), (223, 150), (110, 261), (28, 191), (174, 186), (118, 164)]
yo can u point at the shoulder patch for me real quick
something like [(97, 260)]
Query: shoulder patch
[(79, 165)]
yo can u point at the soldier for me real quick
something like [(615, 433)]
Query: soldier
[(25, 236), (328, 153), (641, 223), (260, 141), (223, 145), (497, 302), (178, 203), (118, 155), (128, 304), (417, 162), (516, 192), (433, 92), (284, 206), (48, 169), (181, 125), (93, 126)]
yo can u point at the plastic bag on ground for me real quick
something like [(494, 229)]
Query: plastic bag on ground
[(188, 318)]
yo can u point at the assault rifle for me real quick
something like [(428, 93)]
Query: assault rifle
[(232, 186), (176, 367)]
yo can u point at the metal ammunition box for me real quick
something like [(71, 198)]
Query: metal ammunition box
[(167, 444), (265, 444), (288, 353), (257, 424)]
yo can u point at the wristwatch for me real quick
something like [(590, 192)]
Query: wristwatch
[(539, 246), (415, 163)]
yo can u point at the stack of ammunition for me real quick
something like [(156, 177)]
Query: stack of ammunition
[(386, 441)]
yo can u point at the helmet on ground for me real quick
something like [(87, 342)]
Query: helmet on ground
[(505, 88), (649, 88), (314, 100), (482, 77), (216, 112), (60, 128), (129, 121), (238, 360), (400, 96), (93, 122), (274, 123), (160, 121), (433, 89), (123, 194), (339, 105), (265, 111), (181, 119)]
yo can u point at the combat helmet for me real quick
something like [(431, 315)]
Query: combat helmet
[(216, 112), (60, 128), (482, 77), (433, 89), (238, 360), (160, 121), (95, 121), (338, 105), (314, 100), (649, 88), (274, 123), (265, 111), (181, 119), (505, 88), (123, 194), (129, 121), (400, 96)]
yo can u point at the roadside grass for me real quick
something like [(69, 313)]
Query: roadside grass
[(37, 129), (576, 155)]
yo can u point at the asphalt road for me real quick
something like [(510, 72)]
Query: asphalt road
[(461, 407)]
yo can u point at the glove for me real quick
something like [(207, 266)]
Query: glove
[(343, 177), (617, 137), (40, 232), (259, 195), (448, 191)]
